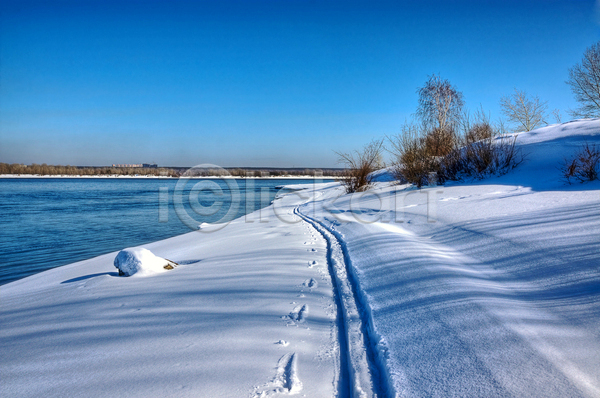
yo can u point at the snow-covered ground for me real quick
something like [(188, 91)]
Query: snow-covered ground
[(482, 288), (248, 311)]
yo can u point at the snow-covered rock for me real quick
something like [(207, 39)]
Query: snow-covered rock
[(140, 261)]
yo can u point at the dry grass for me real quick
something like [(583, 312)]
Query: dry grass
[(360, 164), (584, 166)]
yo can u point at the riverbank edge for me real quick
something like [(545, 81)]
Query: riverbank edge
[(113, 176)]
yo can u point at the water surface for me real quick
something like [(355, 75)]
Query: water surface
[(49, 222)]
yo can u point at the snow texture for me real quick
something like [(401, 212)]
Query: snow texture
[(486, 288)]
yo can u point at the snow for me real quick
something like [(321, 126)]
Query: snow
[(210, 327), (480, 288), (140, 262), (383, 175), (488, 289)]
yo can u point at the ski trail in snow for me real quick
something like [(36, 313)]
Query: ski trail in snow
[(358, 371)]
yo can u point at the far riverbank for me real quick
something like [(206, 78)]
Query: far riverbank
[(145, 177)]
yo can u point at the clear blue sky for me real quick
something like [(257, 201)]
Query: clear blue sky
[(262, 83)]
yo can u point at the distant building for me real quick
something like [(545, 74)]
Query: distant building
[(144, 165), (126, 165)]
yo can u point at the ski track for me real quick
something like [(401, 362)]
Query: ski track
[(362, 370)]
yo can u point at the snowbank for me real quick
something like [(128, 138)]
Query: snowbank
[(141, 262), (247, 313), (481, 288), (383, 175)]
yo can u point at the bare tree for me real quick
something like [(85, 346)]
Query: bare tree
[(360, 165), (474, 127), (410, 136), (584, 79), (527, 113), (556, 114), (440, 103)]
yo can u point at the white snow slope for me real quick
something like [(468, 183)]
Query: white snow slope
[(493, 289), (479, 289), (247, 312)]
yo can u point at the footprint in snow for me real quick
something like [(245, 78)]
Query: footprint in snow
[(299, 313), (286, 379), (310, 283)]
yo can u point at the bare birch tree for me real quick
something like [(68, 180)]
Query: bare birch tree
[(557, 117), (584, 79), (527, 113), (440, 103)]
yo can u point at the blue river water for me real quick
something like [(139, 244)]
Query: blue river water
[(49, 222)]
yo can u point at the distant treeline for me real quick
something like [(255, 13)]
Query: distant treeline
[(264, 172), (44, 169)]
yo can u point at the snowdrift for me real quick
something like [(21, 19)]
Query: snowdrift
[(141, 262), (481, 288)]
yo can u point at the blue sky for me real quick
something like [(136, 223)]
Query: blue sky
[(262, 83)]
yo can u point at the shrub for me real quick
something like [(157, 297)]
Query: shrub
[(584, 166), (482, 158), (360, 164), (440, 155), (479, 131), (439, 141), (418, 152), (442, 144), (421, 171)]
